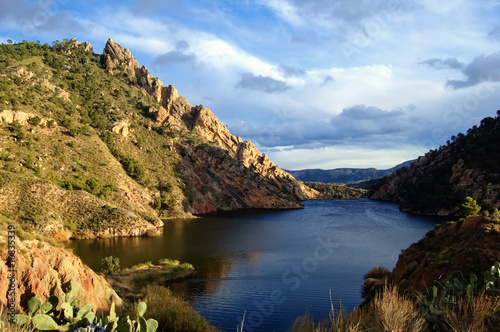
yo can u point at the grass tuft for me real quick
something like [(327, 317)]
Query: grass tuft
[(480, 313), (394, 312), (172, 313)]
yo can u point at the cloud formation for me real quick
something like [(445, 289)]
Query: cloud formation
[(179, 56), (495, 33), (450, 63), (265, 84), (327, 79), (288, 71), (481, 69), (360, 124), (173, 58)]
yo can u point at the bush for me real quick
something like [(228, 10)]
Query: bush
[(92, 186), (468, 207), (141, 266), (110, 265), (393, 312), (172, 313), (106, 191), (133, 167), (35, 121)]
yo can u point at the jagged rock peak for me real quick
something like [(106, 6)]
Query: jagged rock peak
[(114, 51), (175, 108), (87, 47), (117, 58)]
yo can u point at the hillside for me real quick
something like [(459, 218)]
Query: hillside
[(336, 190), (469, 246), (344, 175), (94, 145), (440, 180)]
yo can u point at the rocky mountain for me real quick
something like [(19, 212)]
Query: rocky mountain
[(345, 175), (94, 145), (440, 180)]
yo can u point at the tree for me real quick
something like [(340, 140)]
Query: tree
[(9, 41), (468, 207)]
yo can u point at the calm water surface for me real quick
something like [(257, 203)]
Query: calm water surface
[(276, 265)]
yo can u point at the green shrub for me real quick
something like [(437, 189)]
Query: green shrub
[(93, 186), (169, 262), (28, 162), (106, 191), (110, 265), (172, 313), (469, 207), (133, 167), (141, 266)]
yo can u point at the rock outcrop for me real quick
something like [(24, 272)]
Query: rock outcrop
[(440, 180), (43, 270), (116, 58), (9, 117)]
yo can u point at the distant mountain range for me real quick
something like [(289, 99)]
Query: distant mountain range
[(345, 175)]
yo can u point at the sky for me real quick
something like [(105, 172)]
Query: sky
[(312, 83)]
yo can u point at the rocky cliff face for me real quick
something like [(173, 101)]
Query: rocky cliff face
[(233, 186), (440, 180), (43, 270)]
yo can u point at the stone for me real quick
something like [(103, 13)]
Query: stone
[(121, 127), (43, 270)]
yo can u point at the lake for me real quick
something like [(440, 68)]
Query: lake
[(273, 265)]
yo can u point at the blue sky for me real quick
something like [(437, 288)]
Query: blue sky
[(313, 83)]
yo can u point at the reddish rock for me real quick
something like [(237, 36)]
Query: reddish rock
[(43, 270), (202, 208)]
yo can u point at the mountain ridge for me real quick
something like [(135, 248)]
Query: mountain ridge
[(345, 174)]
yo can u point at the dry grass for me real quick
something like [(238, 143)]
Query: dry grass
[(339, 322), (479, 314), (393, 312), (172, 313)]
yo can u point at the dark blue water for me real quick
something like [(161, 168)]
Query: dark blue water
[(274, 266)]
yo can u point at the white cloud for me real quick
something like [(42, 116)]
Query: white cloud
[(285, 10), (340, 156)]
